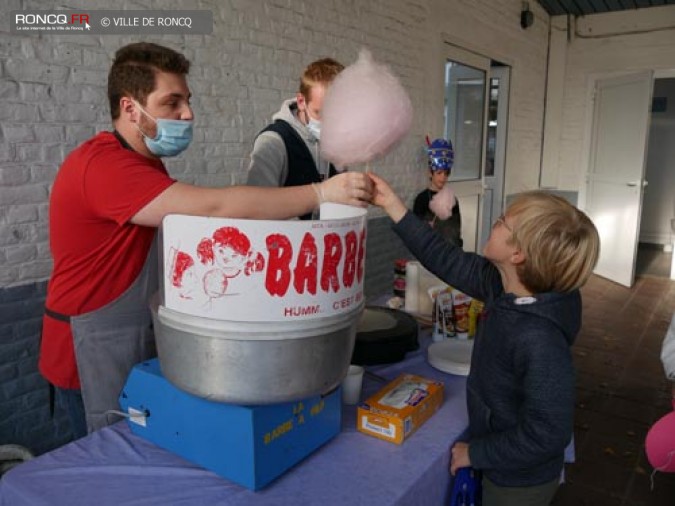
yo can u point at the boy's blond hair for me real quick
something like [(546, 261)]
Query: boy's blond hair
[(560, 243)]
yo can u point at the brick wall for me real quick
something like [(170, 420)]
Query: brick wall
[(24, 395), (382, 248)]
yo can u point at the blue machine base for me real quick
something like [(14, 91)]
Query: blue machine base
[(249, 445)]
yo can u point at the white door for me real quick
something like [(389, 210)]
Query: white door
[(615, 179), (465, 124), (495, 160)]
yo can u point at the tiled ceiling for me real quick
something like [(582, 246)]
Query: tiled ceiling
[(584, 7)]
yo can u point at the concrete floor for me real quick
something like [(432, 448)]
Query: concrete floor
[(621, 392)]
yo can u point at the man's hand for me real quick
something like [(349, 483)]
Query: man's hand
[(352, 188)]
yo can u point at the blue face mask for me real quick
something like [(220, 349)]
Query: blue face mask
[(173, 135), (313, 125)]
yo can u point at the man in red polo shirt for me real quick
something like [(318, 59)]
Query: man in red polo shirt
[(108, 197)]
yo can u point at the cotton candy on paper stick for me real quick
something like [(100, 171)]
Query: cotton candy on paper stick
[(365, 113), (442, 203)]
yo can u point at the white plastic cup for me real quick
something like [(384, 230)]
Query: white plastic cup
[(412, 281), (351, 385)]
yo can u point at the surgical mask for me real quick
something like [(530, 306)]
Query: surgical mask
[(314, 127), (173, 135)]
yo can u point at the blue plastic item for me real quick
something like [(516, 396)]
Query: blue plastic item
[(250, 445), (440, 155), (466, 488)]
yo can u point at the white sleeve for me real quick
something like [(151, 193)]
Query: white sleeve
[(668, 351)]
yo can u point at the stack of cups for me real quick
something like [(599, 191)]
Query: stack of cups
[(412, 286)]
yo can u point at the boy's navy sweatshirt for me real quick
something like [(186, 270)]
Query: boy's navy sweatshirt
[(520, 391)]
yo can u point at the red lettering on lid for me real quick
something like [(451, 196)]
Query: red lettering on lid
[(278, 275), (304, 274), (331, 258)]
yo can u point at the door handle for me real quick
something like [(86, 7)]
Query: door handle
[(636, 183)]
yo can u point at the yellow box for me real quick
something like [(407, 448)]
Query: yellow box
[(400, 408)]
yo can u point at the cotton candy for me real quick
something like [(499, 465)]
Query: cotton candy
[(365, 113), (442, 203)]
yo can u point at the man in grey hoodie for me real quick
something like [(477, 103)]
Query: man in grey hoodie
[(286, 152)]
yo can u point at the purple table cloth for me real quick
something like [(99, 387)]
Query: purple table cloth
[(113, 466)]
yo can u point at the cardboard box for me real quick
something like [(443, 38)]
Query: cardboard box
[(400, 408)]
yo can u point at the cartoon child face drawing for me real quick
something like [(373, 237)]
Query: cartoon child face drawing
[(229, 259), (229, 249), (229, 252)]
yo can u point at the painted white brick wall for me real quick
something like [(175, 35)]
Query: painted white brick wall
[(650, 48), (53, 91)]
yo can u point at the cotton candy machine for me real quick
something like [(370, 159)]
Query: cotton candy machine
[(255, 324)]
